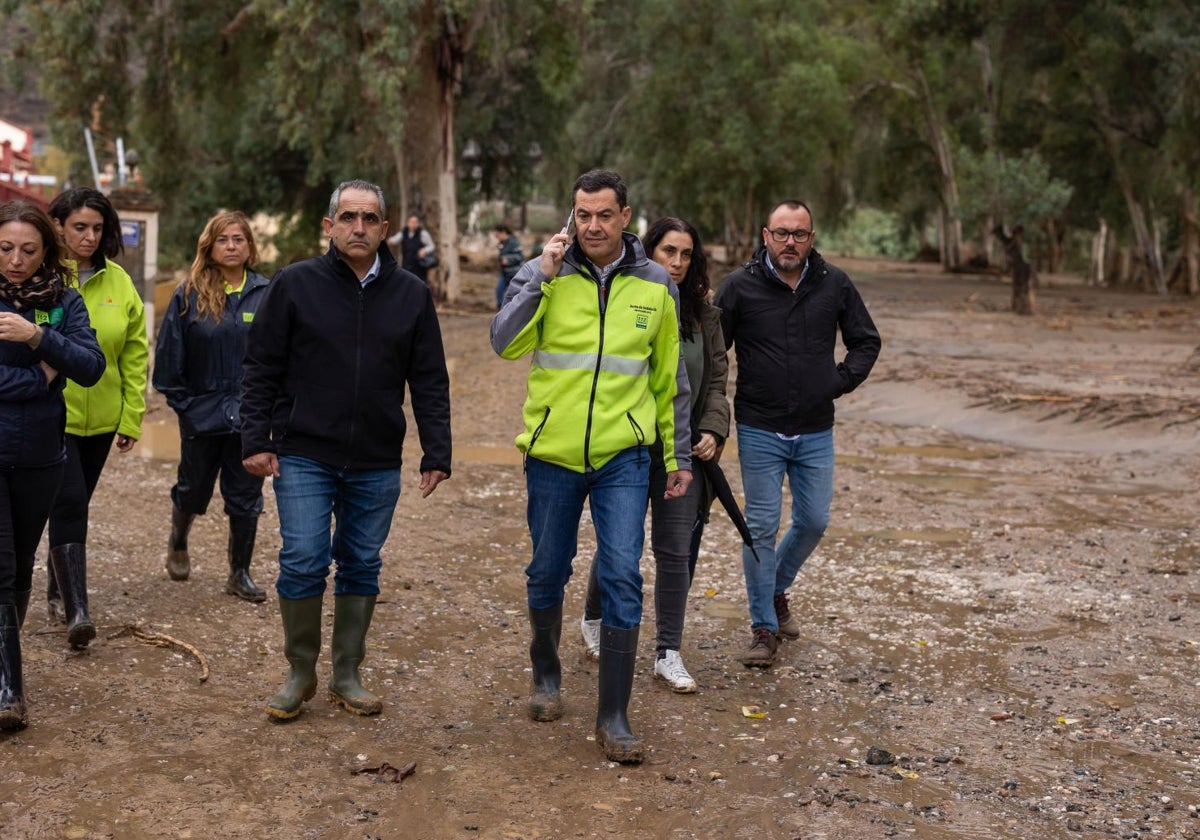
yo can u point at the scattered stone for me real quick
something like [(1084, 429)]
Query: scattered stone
[(878, 755)]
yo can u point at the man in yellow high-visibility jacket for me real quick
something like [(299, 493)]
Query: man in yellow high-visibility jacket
[(605, 381)]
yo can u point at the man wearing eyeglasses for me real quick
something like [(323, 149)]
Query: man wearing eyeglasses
[(782, 312), (334, 343)]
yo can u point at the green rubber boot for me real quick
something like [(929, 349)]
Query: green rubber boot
[(301, 645), (351, 620)]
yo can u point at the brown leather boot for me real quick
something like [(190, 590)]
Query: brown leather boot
[(761, 653), (788, 628)]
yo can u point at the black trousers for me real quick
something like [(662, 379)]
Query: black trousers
[(86, 457), (26, 496), (200, 461)]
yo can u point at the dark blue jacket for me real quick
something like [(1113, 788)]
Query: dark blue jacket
[(786, 342), (33, 415), (198, 361), (328, 361)]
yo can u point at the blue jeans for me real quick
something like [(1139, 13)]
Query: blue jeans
[(359, 503), (808, 463), (617, 495)]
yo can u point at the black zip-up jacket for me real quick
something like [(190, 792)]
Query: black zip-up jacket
[(198, 361), (327, 363), (33, 416), (785, 340)]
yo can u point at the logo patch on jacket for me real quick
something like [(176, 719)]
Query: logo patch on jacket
[(247, 317), (642, 315), (53, 317)]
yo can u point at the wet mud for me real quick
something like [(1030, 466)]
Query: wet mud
[(1005, 603)]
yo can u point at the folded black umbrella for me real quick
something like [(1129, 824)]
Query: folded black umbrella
[(722, 490)]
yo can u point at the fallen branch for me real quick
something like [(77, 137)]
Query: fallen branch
[(163, 640)]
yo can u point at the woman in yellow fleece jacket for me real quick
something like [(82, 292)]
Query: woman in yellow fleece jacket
[(111, 410)]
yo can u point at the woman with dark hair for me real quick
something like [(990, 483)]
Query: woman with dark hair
[(109, 411), (198, 367), (45, 338), (676, 525)]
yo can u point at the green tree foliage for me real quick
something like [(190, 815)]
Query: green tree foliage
[(947, 115)]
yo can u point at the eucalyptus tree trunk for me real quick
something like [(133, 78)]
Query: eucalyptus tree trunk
[(429, 152), (1189, 244), (939, 143)]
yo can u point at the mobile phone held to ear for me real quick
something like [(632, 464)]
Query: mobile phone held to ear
[(569, 227)]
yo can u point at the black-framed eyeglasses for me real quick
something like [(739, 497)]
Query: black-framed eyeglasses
[(801, 236)]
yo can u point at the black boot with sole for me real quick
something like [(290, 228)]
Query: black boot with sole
[(12, 687), (544, 702), (179, 564), (618, 650), (69, 563), (242, 532)]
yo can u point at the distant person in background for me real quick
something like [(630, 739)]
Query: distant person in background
[(417, 253), (511, 257), (110, 411), (198, 367), (782, 312), (677, 524), (45, 338)]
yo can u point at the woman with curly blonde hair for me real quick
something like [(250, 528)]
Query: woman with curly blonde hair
[(198, 367)]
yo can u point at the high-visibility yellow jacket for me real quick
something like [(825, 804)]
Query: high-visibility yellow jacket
[(118, 401), (606, 372)]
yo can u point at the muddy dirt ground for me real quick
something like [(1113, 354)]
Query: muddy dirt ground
[(1007, 602)]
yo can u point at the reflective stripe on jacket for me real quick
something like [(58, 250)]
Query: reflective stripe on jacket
[(606, 372)]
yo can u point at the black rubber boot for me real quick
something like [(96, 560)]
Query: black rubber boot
[(69, 563), (544, 702), (22, 607), (179, 565), (55, 611), (301, 646), (618, 650), (12, 687), (351, 620), (242, 532)]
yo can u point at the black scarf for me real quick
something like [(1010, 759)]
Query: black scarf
[(45, 291)]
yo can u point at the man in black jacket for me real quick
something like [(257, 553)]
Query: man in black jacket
[(333, 344), (782, 312)]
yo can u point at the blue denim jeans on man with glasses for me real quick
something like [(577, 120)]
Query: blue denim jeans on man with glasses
[(617, 494), (807, 461), (359, 503)]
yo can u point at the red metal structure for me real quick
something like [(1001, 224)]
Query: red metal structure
[(16, 165)]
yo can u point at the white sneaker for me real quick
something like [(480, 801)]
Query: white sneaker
[(591, 637), (670, 668)]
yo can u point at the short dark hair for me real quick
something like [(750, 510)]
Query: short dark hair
[(356, 184), (31, 214), (791, 204), (601, 179), (68, 201), (500, 227)]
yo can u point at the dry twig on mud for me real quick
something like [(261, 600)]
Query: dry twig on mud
[(151, 637)]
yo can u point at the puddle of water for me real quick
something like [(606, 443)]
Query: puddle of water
[(942, 481), (941, 536), (724, 609), (959, 453), (160, 440)]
